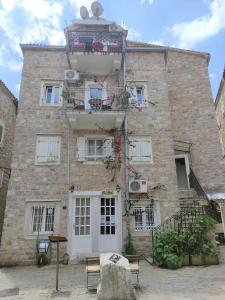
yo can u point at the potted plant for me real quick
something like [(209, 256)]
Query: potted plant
[(210, 254)]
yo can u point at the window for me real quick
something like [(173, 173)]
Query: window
[(138, 92), (140, 149), (2, 129), (82, 216), (94, 149), (51, 94), (48, 149), (43, 219), (95, 90), (140, 96), (107, 212), (144, 217), (95, 93)]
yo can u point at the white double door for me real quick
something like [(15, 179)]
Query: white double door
[(95, 225)]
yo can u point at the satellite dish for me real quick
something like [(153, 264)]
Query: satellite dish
[(97, 9), (84, 12)]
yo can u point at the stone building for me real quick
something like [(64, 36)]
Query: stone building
[(109, 136), (220, 109), (8, 110)]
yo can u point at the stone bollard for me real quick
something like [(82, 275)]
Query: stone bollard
[(115, 282)]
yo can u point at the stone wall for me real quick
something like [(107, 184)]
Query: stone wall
[(193, 116), (179, 107), (8, 117)]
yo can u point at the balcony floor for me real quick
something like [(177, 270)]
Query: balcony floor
[(95, 63), (93, 120)]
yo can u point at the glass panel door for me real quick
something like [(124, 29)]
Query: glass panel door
[(107, 214)]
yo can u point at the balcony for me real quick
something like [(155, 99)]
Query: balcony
[(94, 108), (98, 52)]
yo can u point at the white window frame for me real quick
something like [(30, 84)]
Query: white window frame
[(82, 149), (29, 222), (140, 159), (143, 226), (50, 162), (92, 84), (53, 84), (132, 87), (79, 216), (2, 124)]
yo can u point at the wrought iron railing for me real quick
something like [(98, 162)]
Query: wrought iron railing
[(195, 184), (180, 222), (95, 41), (109, 98)]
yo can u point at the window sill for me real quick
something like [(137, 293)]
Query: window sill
[(51, 105), (47, 164), (41, 236), (86, 162), (141, 162)]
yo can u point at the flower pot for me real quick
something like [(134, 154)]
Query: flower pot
[(95, 102), (172, 266), (186, 261), (197, 260), (211, 260)]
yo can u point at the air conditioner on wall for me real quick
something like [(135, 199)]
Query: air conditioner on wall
[(72, 75), (138, 186)]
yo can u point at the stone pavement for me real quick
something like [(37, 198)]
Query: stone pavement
[(189, 283)]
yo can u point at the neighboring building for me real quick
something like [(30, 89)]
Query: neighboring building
[(8, 110), (101, 121), (220, 110)]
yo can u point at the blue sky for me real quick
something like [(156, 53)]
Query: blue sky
[(188, 24)]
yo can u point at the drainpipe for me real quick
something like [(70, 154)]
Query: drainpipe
[(126, 177)]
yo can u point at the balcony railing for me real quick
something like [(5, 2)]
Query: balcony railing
[(112, 98), (92, 42)]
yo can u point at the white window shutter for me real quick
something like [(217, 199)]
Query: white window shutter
[(81, 149), (145, 149), (140, 149), (108, 148), (133, 95), (53, 148), (42, 149), (43, 89)]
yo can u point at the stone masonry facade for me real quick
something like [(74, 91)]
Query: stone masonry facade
[(179, 108), (8, 109)]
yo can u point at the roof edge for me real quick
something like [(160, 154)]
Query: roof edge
[(42, 47), (7, 90), (222, 83)]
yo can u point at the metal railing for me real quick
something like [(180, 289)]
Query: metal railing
[(180, 222), (110, 98), (97, 41), (195, 184)]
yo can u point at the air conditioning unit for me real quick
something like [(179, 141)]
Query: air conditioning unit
[(138, 186), (72, 75)]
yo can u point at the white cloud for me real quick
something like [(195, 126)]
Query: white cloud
[(133, 34), (157, 42), (15, 65), (149, 1), (41, 22), (190, 33), (17, 87)]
